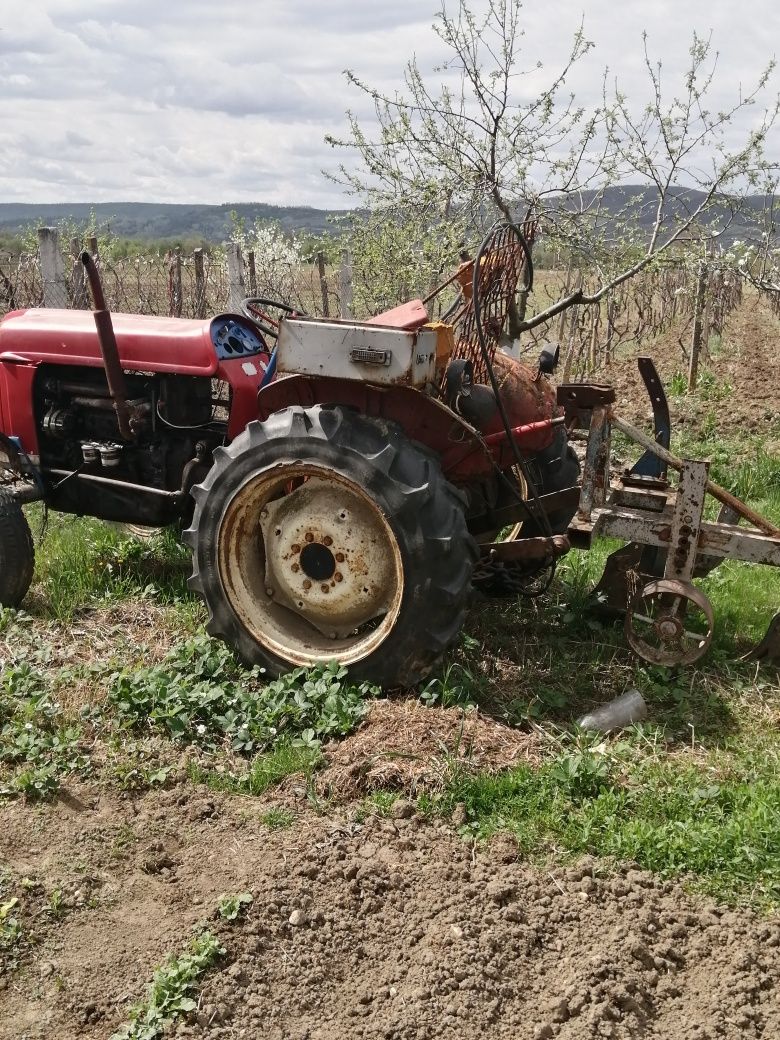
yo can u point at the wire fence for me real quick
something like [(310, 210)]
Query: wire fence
[(691, 300)]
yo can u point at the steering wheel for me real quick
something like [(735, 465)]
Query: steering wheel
[(261, 312)]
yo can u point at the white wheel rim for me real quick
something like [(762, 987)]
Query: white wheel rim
[(310, 565)]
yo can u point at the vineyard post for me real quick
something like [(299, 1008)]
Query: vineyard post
[(92, 246), (78, 285), (323, 284), (174, 283), (55, 293), (250, 263), (200, 284), (698, 313), (235, 266)]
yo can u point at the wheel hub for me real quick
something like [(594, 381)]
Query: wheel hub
[(326, 556), (317, 561)]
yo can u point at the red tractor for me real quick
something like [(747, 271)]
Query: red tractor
[(341, 484)]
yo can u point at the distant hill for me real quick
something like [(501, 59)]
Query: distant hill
[(156, 220)]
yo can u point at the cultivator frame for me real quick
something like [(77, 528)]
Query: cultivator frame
[(668, 620)]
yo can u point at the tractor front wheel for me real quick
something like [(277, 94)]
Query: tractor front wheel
[(321, 535), (17, 553)]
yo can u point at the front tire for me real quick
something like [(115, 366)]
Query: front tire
[(17, 553), (321, 535)]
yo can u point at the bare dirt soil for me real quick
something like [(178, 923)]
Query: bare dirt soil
[(393, 928), (745, 365)]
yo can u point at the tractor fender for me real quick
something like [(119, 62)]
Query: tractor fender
[(463, 454)]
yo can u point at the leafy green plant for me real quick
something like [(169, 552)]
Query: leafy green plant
[(170, 994), (38, 745), (201, 694), (454, 687), (231, 907)]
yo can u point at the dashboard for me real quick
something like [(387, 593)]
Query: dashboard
[(233, 339)]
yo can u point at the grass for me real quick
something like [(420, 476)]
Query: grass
[(717, 822)]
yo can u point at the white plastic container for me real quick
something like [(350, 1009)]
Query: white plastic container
[(623, 711)]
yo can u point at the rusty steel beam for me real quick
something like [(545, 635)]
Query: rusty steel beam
[(528, 548), (720, 540)]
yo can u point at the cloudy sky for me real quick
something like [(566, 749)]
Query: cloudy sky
[(213, 102)]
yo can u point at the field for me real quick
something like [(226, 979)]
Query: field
[(189, 850)]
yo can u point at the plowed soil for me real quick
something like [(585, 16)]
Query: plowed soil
[(393, 928)]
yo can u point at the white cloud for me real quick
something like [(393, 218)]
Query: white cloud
[(114, 100)]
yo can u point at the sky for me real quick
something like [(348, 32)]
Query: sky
[(215, 102)]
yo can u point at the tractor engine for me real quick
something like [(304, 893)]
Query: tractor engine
[(176, 421)]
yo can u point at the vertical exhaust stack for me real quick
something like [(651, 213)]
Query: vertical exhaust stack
[(108, 348)]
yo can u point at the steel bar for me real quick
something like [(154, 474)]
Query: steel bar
[(720, 540), (123, 485), (714, 489)]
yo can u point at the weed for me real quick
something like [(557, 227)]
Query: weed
[(277, 819), (10, 933), (264, 771), (170, 994), (57, 907), (230, 908), (453, 688), (200, 693), (38, 745)]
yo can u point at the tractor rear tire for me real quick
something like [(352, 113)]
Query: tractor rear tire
[(17, 552), (320, 535)]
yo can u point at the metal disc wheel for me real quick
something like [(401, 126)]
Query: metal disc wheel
[(323, 535), (670, 623)]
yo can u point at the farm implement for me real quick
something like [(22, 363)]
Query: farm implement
[(343, 485)]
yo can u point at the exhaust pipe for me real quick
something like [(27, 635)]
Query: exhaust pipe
[(108, 348)]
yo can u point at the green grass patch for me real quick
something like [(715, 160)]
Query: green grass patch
[(721, 826), (39, 744), (82, 562), (201, 694), (265, 770)]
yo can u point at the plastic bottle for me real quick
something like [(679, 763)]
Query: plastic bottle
[(623, 711)]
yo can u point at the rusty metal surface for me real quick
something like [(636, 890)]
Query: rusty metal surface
[(109, 350), (503, 271), (686, 523), (310, 564), (669, 623), (720, 540), (721, 494), (526, 399), (595, 471), (528, 548)]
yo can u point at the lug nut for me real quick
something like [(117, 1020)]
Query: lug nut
[(340, 557), (327, 540), (295, 568), (307, 584), (338, 576), (309, 536), (324, 588), (295, 548)]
